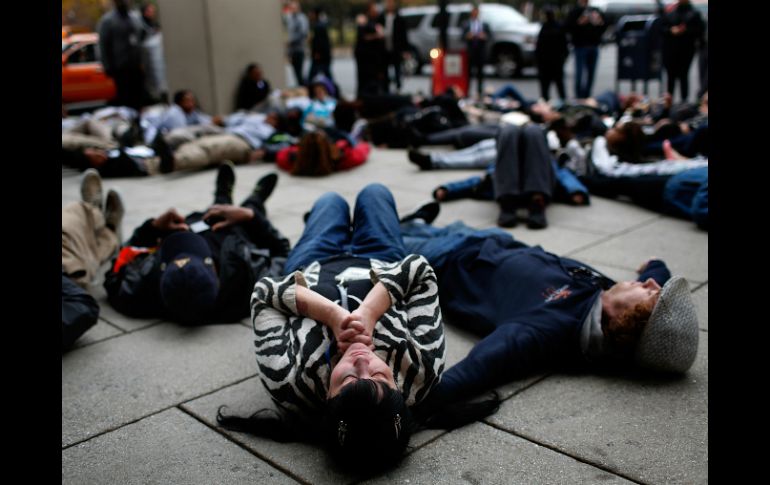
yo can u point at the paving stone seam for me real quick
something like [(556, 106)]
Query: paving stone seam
[(155, 322), (110, 430), (615, 235), (230, 384), (566, 453), (233, 439), (112, 325), (699, 286)]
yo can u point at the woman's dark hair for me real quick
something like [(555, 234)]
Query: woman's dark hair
[(316, 155), (629, 147), (366, 427)]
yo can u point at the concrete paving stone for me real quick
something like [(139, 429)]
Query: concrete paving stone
[(169, 447), (481, 454), (114, 382), (459, 343), (679, 243), (650, 429), (603, 216), (474, 213), (244, 399), (701, 298), (102, 330), (555, 239)]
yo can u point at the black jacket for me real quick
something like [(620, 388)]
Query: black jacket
[(400, 42), (251, 92), (586, 35), (242, 255), (552, 47), (675, 46), (79, 312), (475, 46), (320, 46)]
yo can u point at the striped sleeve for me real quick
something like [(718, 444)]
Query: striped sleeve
[(289, 347), (411, 332)]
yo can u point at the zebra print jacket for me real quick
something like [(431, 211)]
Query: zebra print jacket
[(292, 349)]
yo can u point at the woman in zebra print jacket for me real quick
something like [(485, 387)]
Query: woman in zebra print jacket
[(352, 338)]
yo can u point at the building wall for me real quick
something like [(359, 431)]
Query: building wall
[(208, 43)]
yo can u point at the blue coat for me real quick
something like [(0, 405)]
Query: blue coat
[(529, 305)]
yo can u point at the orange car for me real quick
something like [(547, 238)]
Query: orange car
[(82, 74)]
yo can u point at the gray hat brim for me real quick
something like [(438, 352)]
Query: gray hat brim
[(669, 340)]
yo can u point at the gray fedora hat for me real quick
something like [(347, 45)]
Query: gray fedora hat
[(669, 341)]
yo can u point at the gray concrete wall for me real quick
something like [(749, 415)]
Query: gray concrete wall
[(208, 43)]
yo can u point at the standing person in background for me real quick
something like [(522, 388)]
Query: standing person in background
[(297, 25), (395, 41), (586, 26), (476, 33), (370, 53), (682, 29), (551, 52), (253, 88), (155, 82), (320, 46), (121, 33)]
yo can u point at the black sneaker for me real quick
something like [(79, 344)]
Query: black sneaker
[(427, 212), (420, 159), (164, 152), (536, 219), (265, 186), (223, 194)]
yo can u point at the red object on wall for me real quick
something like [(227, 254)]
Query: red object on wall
[(450, 68)]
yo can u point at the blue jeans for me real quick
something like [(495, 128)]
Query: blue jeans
[(437, 243), (585, 67), (374, 233), (510, 91)]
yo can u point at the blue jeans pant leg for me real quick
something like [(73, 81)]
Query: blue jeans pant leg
[(580, 65), (592, 58), (327, 233), (376, 232), (436, 244)]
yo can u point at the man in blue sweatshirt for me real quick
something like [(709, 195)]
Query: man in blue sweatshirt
[(535, 309)]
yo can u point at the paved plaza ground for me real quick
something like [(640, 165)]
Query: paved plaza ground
[(139, 397)]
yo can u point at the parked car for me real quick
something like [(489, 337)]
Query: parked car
[(613, 10), (82, 75), (511, 48)]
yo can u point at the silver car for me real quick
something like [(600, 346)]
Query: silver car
[(511, 48)]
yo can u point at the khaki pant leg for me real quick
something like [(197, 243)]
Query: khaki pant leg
[(190, 155), (72, 142), (86, 242), (99, 130), (226, 147)]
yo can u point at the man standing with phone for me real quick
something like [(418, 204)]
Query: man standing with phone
[(586, 25)]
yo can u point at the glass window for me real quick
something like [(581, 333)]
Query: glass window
[(87, 53), (412, 21), (500, 17)]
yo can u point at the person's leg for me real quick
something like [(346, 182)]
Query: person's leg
[(327, 232), (506, 179), (538, 176), (479, 155), (684, 77), (225, 147), (480, 67), (86, 241), (507, 171), (580, 62), (559, 81), (297, 59), (436, 244), (462, 137), (396, 61), (376, 232), (671, 79), (592, 57), (544, 83), (191, 156)]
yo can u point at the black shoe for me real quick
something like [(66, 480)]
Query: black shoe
[(225, 183), (507, 219), (427, 212), (133, 135), (164, 152), (536, 218), (265, 186), (305, 217), (508, 207), (420, 159)]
